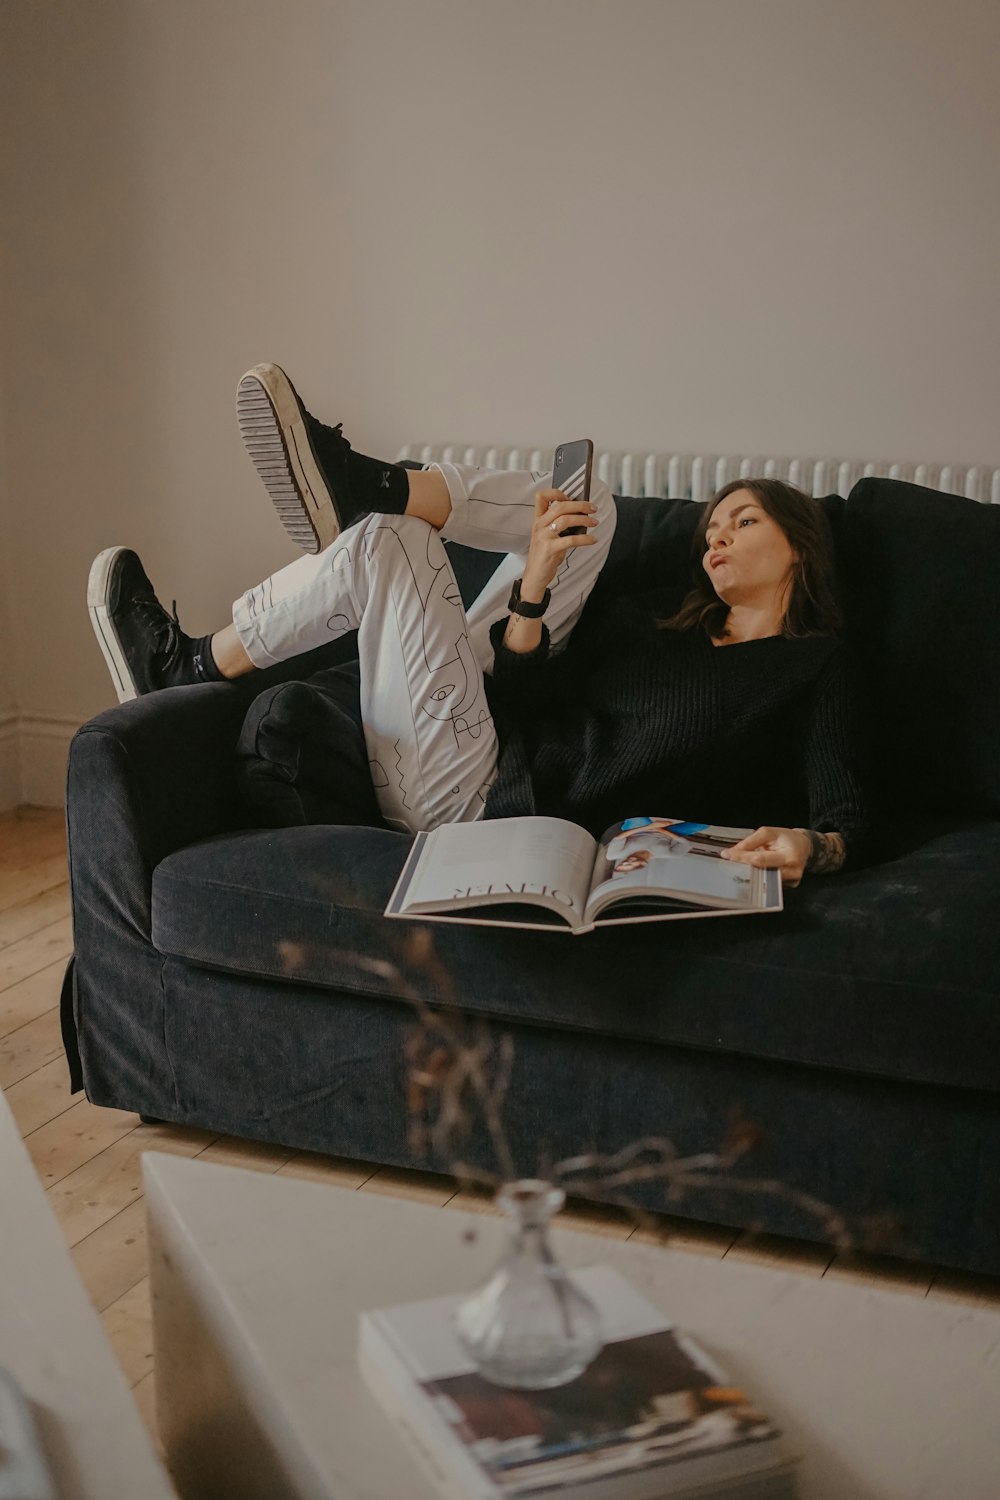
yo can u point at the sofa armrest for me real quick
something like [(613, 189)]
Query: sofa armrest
[(154, 775), (158, 773), (143, 780)]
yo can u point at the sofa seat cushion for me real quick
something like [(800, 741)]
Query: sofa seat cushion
[(891, 970)]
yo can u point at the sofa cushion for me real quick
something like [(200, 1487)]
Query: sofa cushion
[(921, 577), (889, 971), (301, 755)]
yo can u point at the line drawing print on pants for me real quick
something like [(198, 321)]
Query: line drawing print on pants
[(444, 678)]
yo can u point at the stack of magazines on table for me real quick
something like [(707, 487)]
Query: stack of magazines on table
[(653, 1416), (549, 873)]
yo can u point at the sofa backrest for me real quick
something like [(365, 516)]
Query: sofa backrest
[(919, 575)]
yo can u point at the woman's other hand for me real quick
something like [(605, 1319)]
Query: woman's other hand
[(554, 515), (784, 849)]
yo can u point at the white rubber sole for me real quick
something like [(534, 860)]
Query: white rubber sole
[(274, 434), (107, 638)]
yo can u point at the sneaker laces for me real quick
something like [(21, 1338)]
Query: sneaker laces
[(327, 434), (165, 628)]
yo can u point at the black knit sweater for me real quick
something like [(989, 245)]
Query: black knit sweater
[(633, 719)]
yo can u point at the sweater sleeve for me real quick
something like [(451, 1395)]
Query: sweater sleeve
[(536, 681), (517, 668), (836, 763), (594, 637)]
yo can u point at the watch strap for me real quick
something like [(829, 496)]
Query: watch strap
[(519, 606)]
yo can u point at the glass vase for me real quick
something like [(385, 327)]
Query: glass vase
[(529, 1326)]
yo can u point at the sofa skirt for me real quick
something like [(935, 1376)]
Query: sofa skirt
[(913, 1169)]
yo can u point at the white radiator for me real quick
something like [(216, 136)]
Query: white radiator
[(681, 476)]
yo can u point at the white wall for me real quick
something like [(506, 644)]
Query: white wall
[(692, 225), (10, 765), (10, 769)]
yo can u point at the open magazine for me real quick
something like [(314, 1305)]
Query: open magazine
[(547, 872)]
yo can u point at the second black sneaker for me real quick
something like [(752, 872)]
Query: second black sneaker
[(317, 483), (286, 444), (143, 645)]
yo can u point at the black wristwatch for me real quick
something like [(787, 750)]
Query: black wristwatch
[(519, 606)]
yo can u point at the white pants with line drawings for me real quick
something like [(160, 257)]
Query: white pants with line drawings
[(431, 742)]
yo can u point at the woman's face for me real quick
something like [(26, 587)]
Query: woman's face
[(747, 555)]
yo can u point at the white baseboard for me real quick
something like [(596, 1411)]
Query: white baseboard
[(33, 754)]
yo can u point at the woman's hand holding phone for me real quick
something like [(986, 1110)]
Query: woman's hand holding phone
[(563, 519), (563, 516), (559, 526)]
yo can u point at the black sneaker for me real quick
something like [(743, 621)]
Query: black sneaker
[(144, 647), (300, 459)]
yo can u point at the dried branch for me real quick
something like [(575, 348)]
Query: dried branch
[(458, 1071)]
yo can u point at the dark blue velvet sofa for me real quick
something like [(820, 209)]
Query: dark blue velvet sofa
[(233, 971)]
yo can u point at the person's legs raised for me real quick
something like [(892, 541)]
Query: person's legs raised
[(431, 741), (145, 648), (430, 737)]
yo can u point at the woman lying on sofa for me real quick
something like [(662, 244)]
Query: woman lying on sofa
[(732, 704)]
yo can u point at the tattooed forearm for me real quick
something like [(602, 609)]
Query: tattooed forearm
[(828, 852), (522, 635)]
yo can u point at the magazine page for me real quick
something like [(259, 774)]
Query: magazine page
[(647, 857), (504, 861)]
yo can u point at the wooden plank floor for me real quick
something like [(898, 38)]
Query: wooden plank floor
[(88, 1157)]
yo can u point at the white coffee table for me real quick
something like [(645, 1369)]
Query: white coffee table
[(52, 1342), (258, 1283)]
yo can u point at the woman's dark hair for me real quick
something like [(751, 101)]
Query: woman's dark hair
[(812, 605)]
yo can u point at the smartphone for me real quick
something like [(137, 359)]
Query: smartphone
[(571, 473)]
